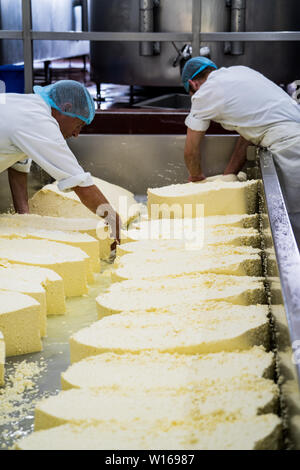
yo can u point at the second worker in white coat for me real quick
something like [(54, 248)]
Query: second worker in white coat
[(244, 101)]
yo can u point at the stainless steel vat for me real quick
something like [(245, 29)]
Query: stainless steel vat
[(135, 162), (138, 162), (138, 166)]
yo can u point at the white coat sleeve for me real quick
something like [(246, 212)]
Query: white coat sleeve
[(45, 145), (207, 104), (23, 166)]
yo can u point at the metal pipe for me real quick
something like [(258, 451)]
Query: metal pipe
[(146, 26), (196, 25), (85, 16), (264, 36), (111, 36), (27, 45), (84, 13), (238, 24), (10, 34)]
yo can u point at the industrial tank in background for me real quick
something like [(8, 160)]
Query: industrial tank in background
[(155, 64)]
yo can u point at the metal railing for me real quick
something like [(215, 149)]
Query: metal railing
[(286, 249), (27, 35)]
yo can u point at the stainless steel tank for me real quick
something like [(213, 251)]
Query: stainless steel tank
[(134, 64), (48, 15)]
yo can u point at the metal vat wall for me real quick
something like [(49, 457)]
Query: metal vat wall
[(139, 162), (47, 15), (122, 62)]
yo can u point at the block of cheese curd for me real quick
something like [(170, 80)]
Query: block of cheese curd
[(225, 178), (233, 236), (20, 323), (245, 395), (36, 291), (233, 220), (156, 226), (197, 329), (241, 176), (53, 202), (95, 227), (197, 234), (181, 292), (34, 275), (214, 432), (83, 241), (196, 199), (43, 222), (72, 264), (229, 260), (2, 360), (156, 371)]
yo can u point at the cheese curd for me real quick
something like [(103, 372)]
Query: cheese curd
[(194, 330), (20, 323)]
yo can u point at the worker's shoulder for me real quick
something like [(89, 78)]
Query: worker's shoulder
[(27, 110), (28, 100), (27, 116), (26, 103), (14, 109), (236, 75), (232, 71), (224, 74)]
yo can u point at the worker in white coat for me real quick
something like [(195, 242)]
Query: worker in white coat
[(34, 127), (244, 101)]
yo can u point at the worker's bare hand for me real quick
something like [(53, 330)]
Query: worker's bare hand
[(195, 179), (112, 219), (94, 200)]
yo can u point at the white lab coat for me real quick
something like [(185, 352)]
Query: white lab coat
[(29, 132), (245, 101)]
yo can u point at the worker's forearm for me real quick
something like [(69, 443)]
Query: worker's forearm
[(91, 197), (18, 187), (193, 164), (192, 155), (238, 158), (94, 200)]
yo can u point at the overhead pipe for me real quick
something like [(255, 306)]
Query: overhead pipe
[(147, 26), (196, 26), (237, 25), (84, 13)]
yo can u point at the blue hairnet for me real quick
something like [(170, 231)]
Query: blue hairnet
[(72, 93), (193, 67)]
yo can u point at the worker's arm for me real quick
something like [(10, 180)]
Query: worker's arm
[(192, 156), (94, 200), (238, 157), (18, 187)]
